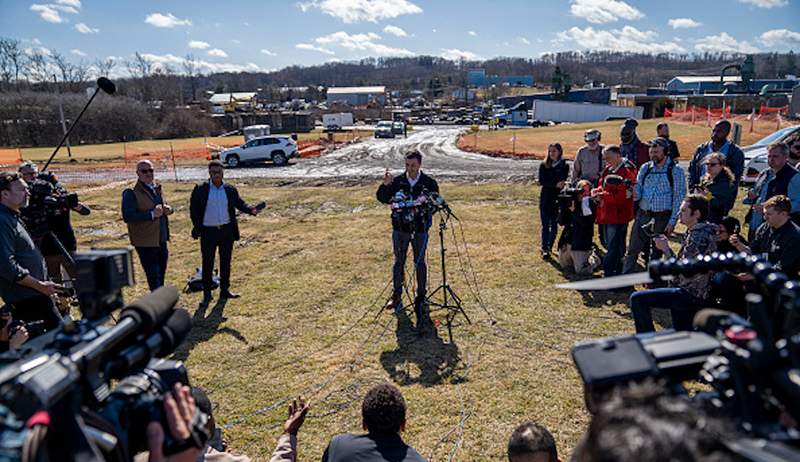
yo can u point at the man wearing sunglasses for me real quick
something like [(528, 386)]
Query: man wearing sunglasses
[(145, 211)]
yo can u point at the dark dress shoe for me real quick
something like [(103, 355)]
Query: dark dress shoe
[(229, 294)]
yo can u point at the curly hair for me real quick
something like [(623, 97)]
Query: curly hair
[(383, 410), (644, 422)]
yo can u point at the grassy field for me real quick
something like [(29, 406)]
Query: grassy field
[(115, 151), (313, 270), (534, 141)]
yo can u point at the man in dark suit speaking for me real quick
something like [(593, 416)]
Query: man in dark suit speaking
[(212, 208)]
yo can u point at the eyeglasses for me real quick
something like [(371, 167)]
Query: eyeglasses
[(712, 164), (146, 170)]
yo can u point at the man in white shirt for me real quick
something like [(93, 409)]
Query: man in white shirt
[(213, 208)]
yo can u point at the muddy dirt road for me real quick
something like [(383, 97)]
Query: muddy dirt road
[(366, 161)]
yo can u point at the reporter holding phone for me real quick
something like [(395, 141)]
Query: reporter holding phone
[(23, 276), (213, 208)]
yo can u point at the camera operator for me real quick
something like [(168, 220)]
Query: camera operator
[(23, 281), (57, 223), (689, 293), (577, 217), (413, 184)]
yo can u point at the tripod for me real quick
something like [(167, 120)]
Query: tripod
[(450, 300)]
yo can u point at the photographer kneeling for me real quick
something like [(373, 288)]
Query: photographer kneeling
[(23, 278), (577, 217), (688, 294)]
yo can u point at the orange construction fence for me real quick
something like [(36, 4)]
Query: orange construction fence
[(766, 119), (10, 156)]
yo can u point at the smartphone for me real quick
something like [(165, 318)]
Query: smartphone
[(261, 205)]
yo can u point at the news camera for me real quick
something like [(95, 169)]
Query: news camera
[(749, 366), (62, 384), (48, 199)]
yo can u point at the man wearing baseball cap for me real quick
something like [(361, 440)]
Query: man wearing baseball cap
[(589, 159)]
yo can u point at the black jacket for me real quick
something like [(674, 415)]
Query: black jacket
[(781, 246), (400, 183), (578, 228), (734, 160), (369, 448), (549, 178), (199, 200)]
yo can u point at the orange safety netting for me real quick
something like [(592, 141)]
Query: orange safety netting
[(165, 155), (10, 156)]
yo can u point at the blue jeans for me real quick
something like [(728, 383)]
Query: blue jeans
[(548, 212), (614, 237), (680, 303)]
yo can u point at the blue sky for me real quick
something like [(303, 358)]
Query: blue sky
[(266, 35)]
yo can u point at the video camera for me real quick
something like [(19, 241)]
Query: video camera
[(48, 199), (61, 383), (752, 367)]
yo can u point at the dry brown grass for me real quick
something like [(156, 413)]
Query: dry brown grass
[(533, 142), (309, 269)]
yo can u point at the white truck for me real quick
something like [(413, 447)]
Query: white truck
[(333, 122), (255, 131), (557, 111)]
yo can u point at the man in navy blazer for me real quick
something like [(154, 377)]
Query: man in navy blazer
[(213, 211)]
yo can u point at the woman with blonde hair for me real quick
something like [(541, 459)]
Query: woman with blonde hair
[(719, 185)]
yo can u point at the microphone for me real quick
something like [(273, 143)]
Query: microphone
[(160, 344), (106, 85), (153, 309)]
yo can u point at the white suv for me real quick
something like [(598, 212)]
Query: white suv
[(278, 149)]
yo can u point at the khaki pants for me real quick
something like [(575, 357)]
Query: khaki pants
[(584, 262)]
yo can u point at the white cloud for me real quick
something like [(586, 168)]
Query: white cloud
[(175, 62), (199, 45), (783, 38), (524, 40), (166, 20), (72, 3), (37, 50), (84, 29), (267, 52), (217, 53), (433, 30), (48, 13), (723, 43), (604, 11), (472, 33), (351, 11), (78, 52), (766, 3), (361, 42), (454, 54), (236, 41), (683, 23), (628, 38), (310, 47), (396, 31)]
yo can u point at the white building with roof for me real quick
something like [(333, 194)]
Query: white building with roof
[(356, 96)]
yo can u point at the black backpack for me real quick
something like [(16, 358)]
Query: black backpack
[(195, 282)]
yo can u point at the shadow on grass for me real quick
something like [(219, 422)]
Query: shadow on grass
[(435, 360), (204, 328)]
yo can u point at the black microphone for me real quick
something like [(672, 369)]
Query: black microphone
[(106, 85), (160, 344), (153, 309)]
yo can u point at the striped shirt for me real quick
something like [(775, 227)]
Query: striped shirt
[(653, 191)]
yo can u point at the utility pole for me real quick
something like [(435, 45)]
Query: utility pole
[(61, 114)]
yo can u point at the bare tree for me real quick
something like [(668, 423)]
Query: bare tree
[(38, 68), (12, 60), (141, 69), (104, 66), (190, 69)]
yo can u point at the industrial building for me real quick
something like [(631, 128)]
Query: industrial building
[(478, 78), (698, 85), (357, 96), (587, 95)]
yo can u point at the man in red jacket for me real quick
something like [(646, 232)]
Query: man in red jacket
[(614, 197)]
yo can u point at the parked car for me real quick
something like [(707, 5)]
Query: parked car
[(384, 129), (278, 149), (398, 128), (755, 155)]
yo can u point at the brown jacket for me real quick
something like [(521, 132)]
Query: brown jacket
[(137, 211)]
